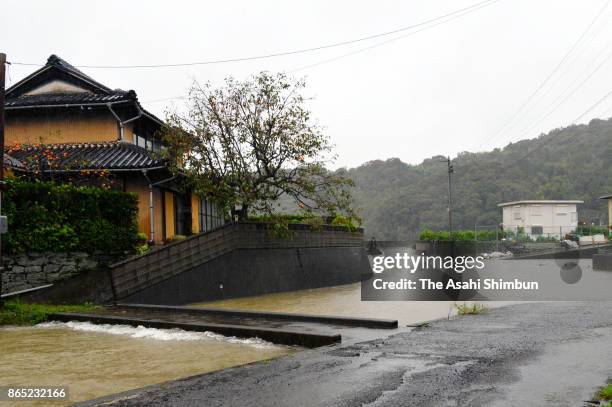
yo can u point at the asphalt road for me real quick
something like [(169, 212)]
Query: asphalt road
[(535, 354)]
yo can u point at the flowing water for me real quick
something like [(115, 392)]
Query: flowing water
[(96, 360), (344, 300)]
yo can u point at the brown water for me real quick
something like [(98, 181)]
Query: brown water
[(344, 300), (94, 360), (98, 360)]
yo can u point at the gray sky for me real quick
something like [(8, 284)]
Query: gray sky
[(443, 90)]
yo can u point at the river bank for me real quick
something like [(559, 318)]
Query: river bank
[(525, 354)]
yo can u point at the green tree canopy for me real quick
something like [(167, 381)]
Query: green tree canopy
[(250, 142)]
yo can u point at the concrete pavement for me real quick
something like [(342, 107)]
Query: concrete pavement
[(534, 354)]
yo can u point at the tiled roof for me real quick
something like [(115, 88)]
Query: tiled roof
[(57, 68), (69, 98), (88, 156), (54, 60)]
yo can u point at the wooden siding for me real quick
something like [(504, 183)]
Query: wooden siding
[(144, 224), (195, 218), (169, 202), (67, 127)]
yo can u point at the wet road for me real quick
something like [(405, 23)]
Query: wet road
[(529, 354)]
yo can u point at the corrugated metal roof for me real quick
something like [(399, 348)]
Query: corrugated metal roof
[(87, 156)]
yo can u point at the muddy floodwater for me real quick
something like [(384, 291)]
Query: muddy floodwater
[(96, 360), (344, 300)]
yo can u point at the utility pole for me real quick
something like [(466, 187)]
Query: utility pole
[(450, 198), (2, 69)]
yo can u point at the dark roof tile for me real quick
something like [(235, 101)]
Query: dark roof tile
[(68, 99), (88, 156)]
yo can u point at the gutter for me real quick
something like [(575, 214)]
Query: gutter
[(66, 105), (111, 170), (122, 123)]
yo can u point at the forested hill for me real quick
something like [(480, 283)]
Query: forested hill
[(396, 199)]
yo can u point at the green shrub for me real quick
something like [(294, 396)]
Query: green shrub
[(315, 221), (18, 313), (349, 222), (463, 235), (474, 309), (44, 216), (606, 393), (591, 230), (175, 238)]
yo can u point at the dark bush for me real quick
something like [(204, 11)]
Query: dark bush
[(43, 216)]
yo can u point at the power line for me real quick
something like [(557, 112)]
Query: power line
[(565, 97), (280, 54), (458, 15), (163, 99), (604, 97), (325, 61), (550, 75)]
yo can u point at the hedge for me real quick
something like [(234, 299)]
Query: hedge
[(44, 216), (463, 235)]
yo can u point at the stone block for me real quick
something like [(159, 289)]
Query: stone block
[(52, 268), (38, 261), (17, 269), (32, 269), (68, 270)]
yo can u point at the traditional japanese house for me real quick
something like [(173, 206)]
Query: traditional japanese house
[(63, 125)]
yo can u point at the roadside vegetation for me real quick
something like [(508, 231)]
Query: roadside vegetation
[(493, 234), (605, 396), (474, 309), (52, 217), (18, 313), (248, 144)]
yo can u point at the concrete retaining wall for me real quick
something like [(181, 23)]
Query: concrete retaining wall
[(246, 272), (240, 259), (240, 248)]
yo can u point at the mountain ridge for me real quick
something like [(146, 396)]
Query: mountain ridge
[(396, 199)]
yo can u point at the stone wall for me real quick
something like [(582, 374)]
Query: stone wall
[(36, 269)]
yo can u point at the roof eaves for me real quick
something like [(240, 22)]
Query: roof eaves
[(538, 201)]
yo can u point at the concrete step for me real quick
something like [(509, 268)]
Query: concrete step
[(265, 315), (283, 336)]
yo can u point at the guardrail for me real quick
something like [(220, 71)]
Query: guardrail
[(135, 274)]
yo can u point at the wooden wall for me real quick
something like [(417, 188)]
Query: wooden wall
[(169, 204), (141, 188), (195, 211), (60, 126)]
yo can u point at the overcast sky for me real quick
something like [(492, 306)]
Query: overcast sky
[(443, 90)]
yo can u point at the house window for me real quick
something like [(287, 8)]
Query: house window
[(182, 214), (211, 216), (140, 141), (516, 211), (561, 210), (537, 230), (536, 210)]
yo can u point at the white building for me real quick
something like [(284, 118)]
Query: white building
[(540, 218)]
